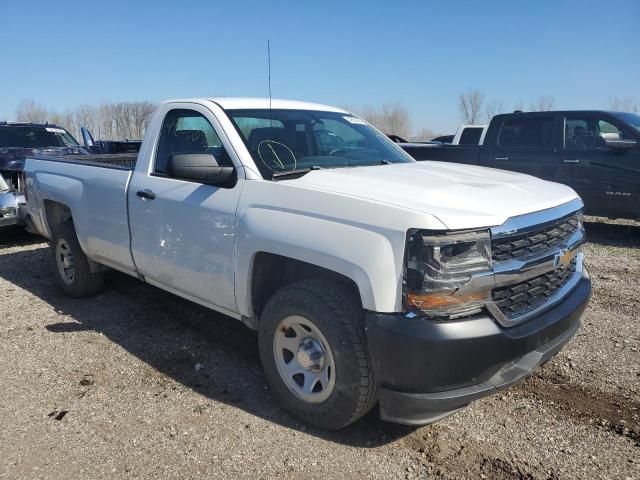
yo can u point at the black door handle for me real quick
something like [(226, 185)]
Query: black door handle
[(146, 193)]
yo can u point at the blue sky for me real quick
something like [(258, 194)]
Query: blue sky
[(421, 54)]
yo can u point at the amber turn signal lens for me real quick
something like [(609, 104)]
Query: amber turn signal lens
[(428, 301)]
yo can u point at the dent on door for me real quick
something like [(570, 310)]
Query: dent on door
[(185, 239)]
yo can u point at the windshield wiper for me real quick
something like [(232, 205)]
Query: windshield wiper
[(296, 172)]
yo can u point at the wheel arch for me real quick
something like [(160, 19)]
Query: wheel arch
[(270, 272), (368, 256), (57, 213)]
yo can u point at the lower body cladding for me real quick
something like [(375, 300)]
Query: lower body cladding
[(428, 369)]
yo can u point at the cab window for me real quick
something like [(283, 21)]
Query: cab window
[(188, 131), (589, 133), (527, 132)]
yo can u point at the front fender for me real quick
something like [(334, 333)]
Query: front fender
[(372, 259)]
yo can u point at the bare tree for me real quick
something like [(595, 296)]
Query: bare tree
[(518, 106), (493, 108), (107, 121), (395, 119), (544, 103), (30, 111), (624, 104), (65, 120), (371, 115), (119, 114), (391, 118), (470, 106), (140, 115), (86, 116)]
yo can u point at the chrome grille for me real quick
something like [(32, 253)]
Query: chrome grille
[(522, 245), (517, 300)]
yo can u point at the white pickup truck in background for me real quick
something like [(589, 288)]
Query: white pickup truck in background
[(470, 135), (369, 277)]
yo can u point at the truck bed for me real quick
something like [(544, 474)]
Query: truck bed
[(94, 189), (121, 161)]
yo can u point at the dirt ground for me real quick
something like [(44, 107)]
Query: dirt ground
[(137, 383)]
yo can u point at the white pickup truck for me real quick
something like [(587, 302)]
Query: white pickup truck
[(470, 135), (369, 277)]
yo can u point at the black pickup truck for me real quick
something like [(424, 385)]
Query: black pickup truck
[(597, 153)]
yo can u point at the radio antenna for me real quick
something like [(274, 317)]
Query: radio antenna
[(269, 62)]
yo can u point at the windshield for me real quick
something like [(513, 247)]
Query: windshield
[(631, 119), (284, 140), (3, 185), (34, 137)]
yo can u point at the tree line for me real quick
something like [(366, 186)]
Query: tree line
[(128, 120), (474, 107), (106, 121)]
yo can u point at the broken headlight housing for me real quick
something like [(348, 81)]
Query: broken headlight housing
[(439, 269), (8, 212)]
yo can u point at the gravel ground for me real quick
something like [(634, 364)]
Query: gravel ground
[(137, 383)]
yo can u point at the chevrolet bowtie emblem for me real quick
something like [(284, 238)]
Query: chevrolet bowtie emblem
[(564, 259)]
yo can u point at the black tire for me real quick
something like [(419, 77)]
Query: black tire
[(338, 313), (83, 283)]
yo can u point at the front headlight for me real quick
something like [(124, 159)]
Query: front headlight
[(8, 212), (439, 269)]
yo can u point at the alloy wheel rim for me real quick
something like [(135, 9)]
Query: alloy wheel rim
[(304, 359)]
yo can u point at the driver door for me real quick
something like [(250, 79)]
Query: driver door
[(183, 231)]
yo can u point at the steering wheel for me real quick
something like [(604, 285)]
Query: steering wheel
[(333, 152)]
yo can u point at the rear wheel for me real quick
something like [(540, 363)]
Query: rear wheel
[(73, 272), (314, 354)]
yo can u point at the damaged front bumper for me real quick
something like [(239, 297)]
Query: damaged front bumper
[(428, 369)]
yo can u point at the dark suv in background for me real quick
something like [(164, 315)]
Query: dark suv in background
[(17, 141)]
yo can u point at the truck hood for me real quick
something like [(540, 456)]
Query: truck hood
[(460, 196)]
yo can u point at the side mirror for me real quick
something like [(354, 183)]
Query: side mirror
[(200, 167), (620, 144)]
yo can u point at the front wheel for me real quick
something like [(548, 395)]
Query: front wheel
[(314, 354), (73, 272)]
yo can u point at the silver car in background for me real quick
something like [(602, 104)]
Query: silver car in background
[(11, 205)]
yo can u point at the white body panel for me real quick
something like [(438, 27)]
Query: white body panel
[(359, 238), (200, 241), (184, 239), (96, 199), (460, 196)]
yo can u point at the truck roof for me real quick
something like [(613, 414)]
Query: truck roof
[(241, 103), (4, 123), (562, 112)]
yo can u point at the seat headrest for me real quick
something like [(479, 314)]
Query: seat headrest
[(189, 141), (258, 135)]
